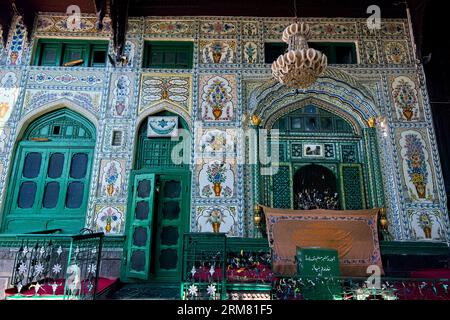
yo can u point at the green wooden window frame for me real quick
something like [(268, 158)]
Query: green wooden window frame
[(168, 54), (299, 122), (336, 52), (65, 168), (57, 52)]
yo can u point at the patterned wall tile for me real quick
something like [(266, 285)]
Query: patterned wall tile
[(121, 94), (111, 178), (109, 219), (426, 224), (218, 28), (36, 98), (407, 101), (9, 92), (217, 51), (216, 179), (396, 52), (175, 89), (218, 96), (226, 216), (415, 162), (169, 27)]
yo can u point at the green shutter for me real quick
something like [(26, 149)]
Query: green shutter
[(352, 188), (50, 54), (140, 227), (74, 52)]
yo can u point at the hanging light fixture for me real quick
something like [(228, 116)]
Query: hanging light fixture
[(300, 66)]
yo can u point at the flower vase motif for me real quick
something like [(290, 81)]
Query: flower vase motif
[(108, 225), (218, 98), (417, 170), (217, 187), (428, 233), (111, 178), (216, 227), (217, 52), (426, 224), (3, 109), (110, 189), (216, 175), (405, 98)]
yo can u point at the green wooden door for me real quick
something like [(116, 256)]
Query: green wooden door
[(139, 235), (352, 187), (173, 210)]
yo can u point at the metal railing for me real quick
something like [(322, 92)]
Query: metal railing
[(214, 266), (57, 265), (345, 288)]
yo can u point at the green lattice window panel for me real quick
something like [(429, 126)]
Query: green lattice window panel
[(154, 153), (352, 189), (62, 125), (49, 185), (312, 119), (281, 188), (57, 52), (168, 54)]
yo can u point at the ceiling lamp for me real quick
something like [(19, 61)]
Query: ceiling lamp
[(300, 66)]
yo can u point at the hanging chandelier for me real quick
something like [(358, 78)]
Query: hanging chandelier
[(300, 66)]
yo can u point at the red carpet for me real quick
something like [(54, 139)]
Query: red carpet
[(432, 274), (103, 284)]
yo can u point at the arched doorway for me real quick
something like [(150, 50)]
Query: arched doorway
[(50, 179), (316, 133), (315, 187), (159, 200)]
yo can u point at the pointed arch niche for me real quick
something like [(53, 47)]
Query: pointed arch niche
[(325, 125), (50, 179)]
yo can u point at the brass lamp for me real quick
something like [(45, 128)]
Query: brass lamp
[(383, 219), (257, 219)]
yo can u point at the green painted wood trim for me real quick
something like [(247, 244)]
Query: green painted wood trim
[(187, 45), (89, 45), (414, 248)]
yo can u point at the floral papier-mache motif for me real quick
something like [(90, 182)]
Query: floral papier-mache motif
[(216, 180), (215, 142), (218, 52), (8, 95), (396, 52), (129, 51), (121, 95), (18, 44), (218, 219), (392, 28), (38, 98), (426, 224), (250, 52), (218, 99), (175, 89), (371, 53), (218, 27), (250, 28), (166, 126), (109, 219), (169, 27), (416, 168), (65, 23), (405, 99), (112, 178), (333, 28)]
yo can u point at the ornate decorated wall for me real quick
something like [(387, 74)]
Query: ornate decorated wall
[(229, 57)]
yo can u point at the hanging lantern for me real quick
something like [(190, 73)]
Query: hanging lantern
[(300, 66)]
